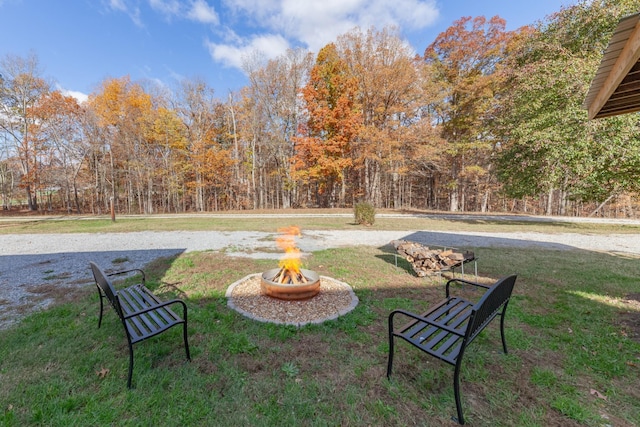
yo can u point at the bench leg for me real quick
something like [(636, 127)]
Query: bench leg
[(456, 392), (130, 365), (504, 341), (101, 308), (186, 341), (390, 359)]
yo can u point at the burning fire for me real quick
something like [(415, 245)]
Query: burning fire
[(290, 263)]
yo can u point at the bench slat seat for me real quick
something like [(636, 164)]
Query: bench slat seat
[(441, 330), (451, 325), (141, 323), (143, 314)]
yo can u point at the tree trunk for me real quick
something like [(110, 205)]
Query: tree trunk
[(253, 190), (199, 193), (343, 190), (396, 190), (372, 182), (32, 201), (549, 207), (76, 198), (453, 200), (150, 194), (601, 205), (485, 202), (367, 185)]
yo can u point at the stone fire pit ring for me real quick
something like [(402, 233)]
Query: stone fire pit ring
[(334, 299)]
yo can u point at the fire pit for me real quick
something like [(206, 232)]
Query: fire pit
[(335, 299), (290, 295), (290, 282), (306, 287)]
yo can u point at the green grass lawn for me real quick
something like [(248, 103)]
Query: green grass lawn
[(573, 331), (229, 222)]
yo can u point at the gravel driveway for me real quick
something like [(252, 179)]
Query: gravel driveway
[(33, 266)]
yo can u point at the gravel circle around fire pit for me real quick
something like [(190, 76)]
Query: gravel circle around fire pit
[(334, 300)]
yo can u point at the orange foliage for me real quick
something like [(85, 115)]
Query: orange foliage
[(334, 120)]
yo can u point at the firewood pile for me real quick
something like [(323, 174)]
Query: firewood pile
[(426, 261)]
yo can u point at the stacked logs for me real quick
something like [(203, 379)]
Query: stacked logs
[(290, 277), (425, 261)]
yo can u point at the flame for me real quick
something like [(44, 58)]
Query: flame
[(291, 260)]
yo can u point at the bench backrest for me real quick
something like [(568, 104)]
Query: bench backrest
[(107, 288), (489, 305)]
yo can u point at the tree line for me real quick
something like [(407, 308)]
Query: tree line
[(484, 119)]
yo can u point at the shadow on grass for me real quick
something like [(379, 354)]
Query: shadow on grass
[(442, 240), (33, 282)]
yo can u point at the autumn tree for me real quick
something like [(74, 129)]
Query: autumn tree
[(424, 148), (21, 87), (324, 154), (168, 137), (209, 159), (233, 119), (385, 72), (463, 61), (58, 130), (126, 114), (272, 100)]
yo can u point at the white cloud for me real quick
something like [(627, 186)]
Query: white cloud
[(317, 24), (118, 5), (261, 8), (314, 23), (132, 12), (415, 14), (175, 75), (201, 12), (167, 7), (159, 83), (270, 45), (195, 10), (79, 96)]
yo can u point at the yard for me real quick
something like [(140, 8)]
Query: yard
[(572, 327)]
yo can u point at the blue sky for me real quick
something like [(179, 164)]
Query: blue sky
[(79, 43)]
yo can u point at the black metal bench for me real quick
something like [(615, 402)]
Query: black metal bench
[(450, 326), (143, 314)]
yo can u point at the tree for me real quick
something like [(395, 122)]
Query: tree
[(209, 162), (172, 145), (57, 127), (21, 87), (463, 61), (9, 172), (272, 98), (126, 115), (324, 153), (239, 182), (387, 92), (547, 146)]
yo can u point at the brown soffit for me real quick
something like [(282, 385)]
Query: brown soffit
[(615, 89)]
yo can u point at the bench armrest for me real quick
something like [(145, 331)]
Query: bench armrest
[(137, 270), (465, 282), (414, 316)]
